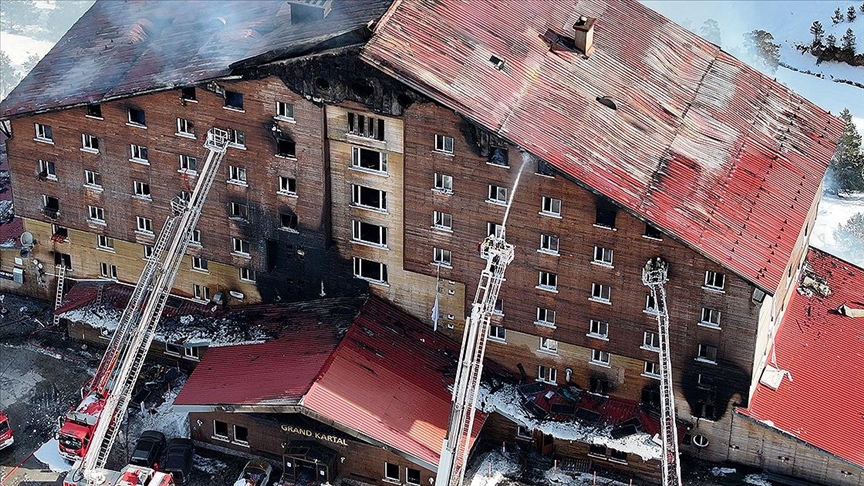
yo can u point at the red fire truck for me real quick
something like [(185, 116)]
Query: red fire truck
[(77, 426), (6, 438)]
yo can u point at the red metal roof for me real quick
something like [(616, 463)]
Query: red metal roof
[(702, 145), (823, 351), (388, 380)]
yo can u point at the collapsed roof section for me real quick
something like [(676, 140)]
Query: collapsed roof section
[(122, 49), (632, 106)]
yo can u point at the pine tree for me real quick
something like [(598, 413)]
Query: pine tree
[(818, 32), (847, 164), (837, 17), (9, 77), (847, 42), (710, 30), (759, 44), (850, 13), (831, 41), (861, 8)]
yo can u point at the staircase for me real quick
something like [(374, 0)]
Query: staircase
[(58, 298)]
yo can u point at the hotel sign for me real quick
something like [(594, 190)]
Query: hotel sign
[(314, 435)]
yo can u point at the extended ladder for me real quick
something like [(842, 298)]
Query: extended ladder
[(58, 298), (127, 351), (654, 276), (454, 451)]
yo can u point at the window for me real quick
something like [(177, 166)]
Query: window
[(707, 353), (601, 293), (599, 386), (651, 397), (705, 382), (549, 244), (286, 148), (651, 341), (651, 307), (602, 256), (391, 471), (234, 100), (551, 206), (369, 270), (188, 163), (247, 274), (442, 221), (284, 110), (362, 158), (652, 232), (651, 369), (710, 317), (93, 179), (59, 233), (497, 194), (599, 357), (367, 197), (185, 127), (236, 138), (365, 126), (705, 410), (606, 213), (241, 434), (142, 189), (714, 280), (441, 257), (89, 143), (96, 214), (105, 243), (288, 221), (544, 168), (136, 117), (240, 246), (598, 329), (94, 111), (597, 450), (199, 264), (43, 133), (412, 476), (201, 292), (236, 174), (195, 237), (548, 345), (443, 183), (369, 233), (188, 94), (498, 308), (47, 170), (493, 228), (144, 225), (545, 317), (220, 429), (107, 270), (547, 374), (138, 152), (498, 156), (239, 211), (758, 296), (148, 251), (287, 185), (617, 456), (497, 333), (548, 281), (444, 144), (524, 432)]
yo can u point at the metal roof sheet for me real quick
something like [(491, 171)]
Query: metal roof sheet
[(820, 399), (701, 145)]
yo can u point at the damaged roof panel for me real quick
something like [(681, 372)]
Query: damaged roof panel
[(692, 132)]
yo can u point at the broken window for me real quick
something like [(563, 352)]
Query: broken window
[(547, 374), (598, 329), (652, 232), (188, 93), (50, 206), (136, 117), (544, 168), (286, 148), (369, 233), (707, 353), (220, 429), (651, 396), (47, 170), (705, 382), (498, 156), (602, 256), (185, 127), (367, 197), (104, 242), (362, 158), (370, 270), (441, 256), (606, 213), (59, 233), (601, 293), (89, 143), (144, 225), (551, 206), (365, 126), (63, 259), (705, 410), (444, 144), (239, 211), (94, 111), (188, 164), (288, 221), (493, 228), (497, 194), (651, 306), (597, 450), (442, 221), (43, 133), (599, 386), (545, 317), (617, 456), (284, 110), (287, 185), (234, 100), (599, 357), (714, 280), (548, 281), (710, 317), (142, 189), (443, 183)]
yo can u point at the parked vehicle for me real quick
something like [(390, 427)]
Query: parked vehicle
[(148, 449), (77, 427), (128, 476), (6, 437), (178, 459), (255, 473)]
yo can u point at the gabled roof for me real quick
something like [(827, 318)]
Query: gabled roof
[(120, 49), (821, 399), (701, 145)]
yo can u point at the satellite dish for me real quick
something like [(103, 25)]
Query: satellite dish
[(27, 239)]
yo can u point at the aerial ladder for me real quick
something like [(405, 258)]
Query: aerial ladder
[(454, 451), (655, 276), (119, 369)]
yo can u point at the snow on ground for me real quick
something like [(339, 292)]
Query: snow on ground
[(833, 213), (163, 418), (19, 47), (49, 454), (495, 467), (757, 480)]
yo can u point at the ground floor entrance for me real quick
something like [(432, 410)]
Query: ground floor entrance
[(307, 463)]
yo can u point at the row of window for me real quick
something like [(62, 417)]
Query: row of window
[(139, 153)]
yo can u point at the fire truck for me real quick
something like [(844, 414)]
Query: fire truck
[(76, 427), (6, 437)]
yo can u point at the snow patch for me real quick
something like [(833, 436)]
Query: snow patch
[(757, 480), (49, 454), (722, 471), (834, 212)]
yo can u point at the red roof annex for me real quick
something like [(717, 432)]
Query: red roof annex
[(823, 402), (703, 146)]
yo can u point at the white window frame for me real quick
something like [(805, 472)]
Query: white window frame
[(497, 334), (185, 127), (600, 357), (105, 242), (186, 164), (107, 270), (201, 292), (236, 138), (551, 207), (89, 143), (710, 318), (711, 278), (240, 441), (141, 189), (409, 482), (392, 479), (138, 154), (239, 246), (601, 293), (654, 309), (43, 133), (547, 374), (357, 233), (549, 244), (356, 159), (284, 111), (444, 144), (651, 369), (443, 183), (49, 168), (603, 256), (493, 228), (361, 263), (238, 211), (496, 193), (648, 341), (523, 432), (148, 251), (192, 353), (132, 123), (237, 175), (706, 349), (143, 225), (285, 184), (200, 264), (219, 436), (442, 257), (596, 329), (195, 237), (548, 345), (442, 221), (246, 274), (92, 179), (546, 317), (96, 214), (356, 198), (547, 281)]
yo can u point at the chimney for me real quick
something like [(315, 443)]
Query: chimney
[(584, 36)]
